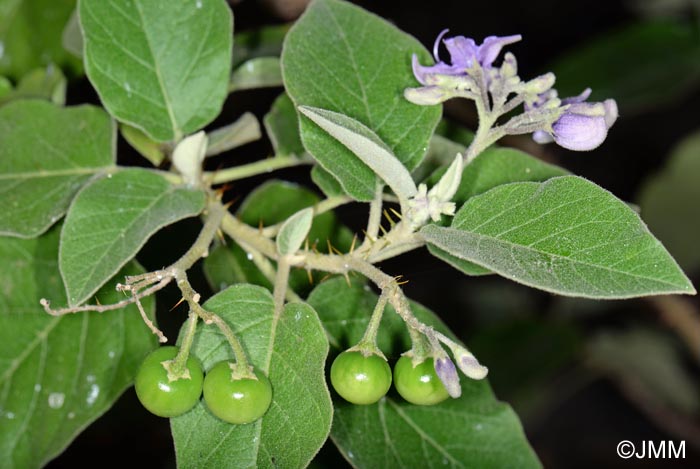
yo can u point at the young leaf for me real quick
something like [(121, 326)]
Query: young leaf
[(494, 167), (367, 146), (394, 433), (669, 203), (58, 374), (261, 72), (111, 219), (565, 236), (47, 154), (323, 51), (294, 231), (157, 65), (292, 353)]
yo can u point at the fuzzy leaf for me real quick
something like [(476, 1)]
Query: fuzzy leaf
[(47, 154), (331, 60), (294, 231), (111, 219), (58, 374), (367, 146), (566, 236), (160, 66)]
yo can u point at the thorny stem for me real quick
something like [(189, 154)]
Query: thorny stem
[(280, 288)]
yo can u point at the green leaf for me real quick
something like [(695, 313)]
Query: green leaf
[(244, 130), (282, 127), (565, 236), (669, 203), (262, 42), (393, 433), (269, 204), (261, 72), (5, 87), (494, 167), (47, 154), (294, 231), (331, 61), (142, 143), (30, 35), (325, 181), (58, 374), (42, 83), (291, 350), (160, 66), (634, 65), (111, 219), (367, 146)]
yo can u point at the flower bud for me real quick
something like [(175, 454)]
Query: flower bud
[(468, 363), (447, 373), (427, 95), (540, 84)]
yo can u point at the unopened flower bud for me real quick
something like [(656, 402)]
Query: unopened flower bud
[(427, 95), (540, 84), (447, 373), (468, 363)]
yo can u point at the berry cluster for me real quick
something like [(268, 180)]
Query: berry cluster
[(230, 396), (361, 379)]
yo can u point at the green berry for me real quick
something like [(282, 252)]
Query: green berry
[(419, 385), (359, 379), (237, 401), (161, 395)]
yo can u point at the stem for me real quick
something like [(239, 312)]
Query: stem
[(178, 369), (251, 169), (280, 288), (375, 214), (192, 299), (368, 344)]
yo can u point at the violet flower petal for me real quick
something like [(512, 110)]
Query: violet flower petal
[(488, 51), (462, 51)]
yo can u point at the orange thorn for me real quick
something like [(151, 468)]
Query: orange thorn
[(310, 275), (347, 279), (354, 240), (395, 212), (177, 304)]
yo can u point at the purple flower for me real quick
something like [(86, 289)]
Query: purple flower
[(464, 54), (582, 126), (447, 373)]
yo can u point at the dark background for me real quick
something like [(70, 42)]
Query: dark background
[(535, 345)]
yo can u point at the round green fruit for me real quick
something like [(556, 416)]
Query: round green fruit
[(359, 379), (419, 385), (236, 401), (160, 395)]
